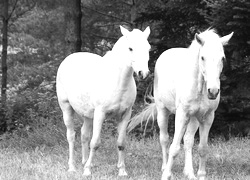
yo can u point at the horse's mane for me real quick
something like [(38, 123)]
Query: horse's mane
[(209, 34), (109, 57), (108, 53)]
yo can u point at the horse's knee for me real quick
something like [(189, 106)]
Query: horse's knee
[(174, 150), (188, 142), (164, 138), (120, 144), (70, 135), (95, 143), (203, 150), (85, 138), (68, 119), (85, 135), (121, 148)]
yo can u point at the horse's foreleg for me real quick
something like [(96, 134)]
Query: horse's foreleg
[(122, 126), (86, 132), (99, 117), (162, 120), (204, 128), (181, 121), (188, 145), (69, 123)]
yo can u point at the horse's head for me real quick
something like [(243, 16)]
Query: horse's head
[(137, 49), (211, 59)]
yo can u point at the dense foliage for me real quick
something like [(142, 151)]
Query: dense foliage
[(37, 45)]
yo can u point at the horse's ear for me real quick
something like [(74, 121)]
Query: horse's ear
[(147, 31), (225, 39), (199, 39), (124, 31)]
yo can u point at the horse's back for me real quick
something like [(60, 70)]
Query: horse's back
[(74, 80), (77, 70), (171, 60), (77, 62)]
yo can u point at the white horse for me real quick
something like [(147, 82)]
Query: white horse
[(95, 87), (187, 83)]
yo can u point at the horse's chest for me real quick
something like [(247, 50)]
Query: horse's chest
[(117, 107), (205, 107), (120, 100), (116, 101)]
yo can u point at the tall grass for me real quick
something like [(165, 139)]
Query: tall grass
[(42, 154)]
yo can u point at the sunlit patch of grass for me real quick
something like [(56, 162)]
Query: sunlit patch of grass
[(43, 154)]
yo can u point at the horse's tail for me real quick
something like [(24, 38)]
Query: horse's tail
[(149, 113)]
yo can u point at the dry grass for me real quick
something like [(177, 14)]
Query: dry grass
[(43, 155)]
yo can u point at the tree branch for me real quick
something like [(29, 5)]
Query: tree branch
[(20, 14), (104, 37), (126, 3), (13, 9), (108, 15), (108, 24)]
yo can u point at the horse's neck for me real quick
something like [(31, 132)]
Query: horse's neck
[(119, 66), (118, 54), (195, 50)]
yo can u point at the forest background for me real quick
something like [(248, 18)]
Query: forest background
[(36, 35)]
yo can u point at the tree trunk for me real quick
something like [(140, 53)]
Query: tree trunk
[(4, 52), (133, 13), (5, 19), (73, 17)]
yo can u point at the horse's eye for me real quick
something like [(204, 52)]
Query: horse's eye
[(202, 58), (223, 59), (130, 49)]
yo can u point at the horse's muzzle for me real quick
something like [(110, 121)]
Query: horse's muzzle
[(213, 93)]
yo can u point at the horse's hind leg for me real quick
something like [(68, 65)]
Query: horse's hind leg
[(188, 145), (86, 132), (68, 114), (122, 126), (181, 121), (162, 119), (99, 116), (204, 128)]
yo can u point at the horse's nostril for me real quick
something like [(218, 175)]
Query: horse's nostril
[(213, 93), (140, 74)]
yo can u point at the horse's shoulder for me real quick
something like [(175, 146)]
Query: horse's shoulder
[(81, 60), (172, 58), (173, 53)]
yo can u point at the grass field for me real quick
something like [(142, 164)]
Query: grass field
[(43, 155)]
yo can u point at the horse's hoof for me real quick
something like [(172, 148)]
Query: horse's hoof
[(201, 175), (72, 169), (202, 178), (163, 167), (166, 176), (122, 172), (87, 172), (190, 176)]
